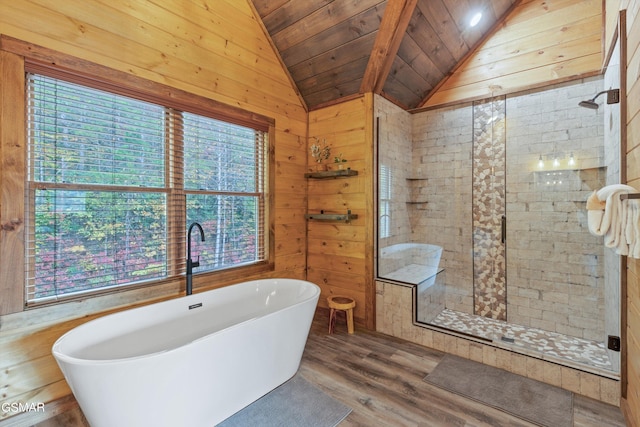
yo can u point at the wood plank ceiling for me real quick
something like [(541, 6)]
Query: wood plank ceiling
[(401, 49)]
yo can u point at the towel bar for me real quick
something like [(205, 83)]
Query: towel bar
[(630, 196)]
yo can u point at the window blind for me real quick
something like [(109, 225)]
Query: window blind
[(113, 182), (97, 194), (224, 170), (384, 202), (86, 136)]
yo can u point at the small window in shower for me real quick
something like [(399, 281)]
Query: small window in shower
[(384, 205)]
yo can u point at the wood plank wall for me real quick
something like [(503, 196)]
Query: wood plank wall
[(216, 49), (631, 406), (340, 255), (540, 43)]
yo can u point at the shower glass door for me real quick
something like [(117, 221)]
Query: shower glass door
[(494, 203), (512, 193), (555, 158)]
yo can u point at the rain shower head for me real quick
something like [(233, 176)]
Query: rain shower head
[(613, 97), (589, 104)]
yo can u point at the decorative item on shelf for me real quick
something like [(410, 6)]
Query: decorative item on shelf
[(339, 161), (320, 153)]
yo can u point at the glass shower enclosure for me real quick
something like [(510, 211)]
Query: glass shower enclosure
[(489, 222)]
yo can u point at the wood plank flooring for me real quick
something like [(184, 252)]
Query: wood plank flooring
[(381, 379)]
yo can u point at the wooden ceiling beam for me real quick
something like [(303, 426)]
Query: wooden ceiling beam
[(385, 48)]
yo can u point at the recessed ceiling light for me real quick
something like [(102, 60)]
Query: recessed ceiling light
[(476, 18)]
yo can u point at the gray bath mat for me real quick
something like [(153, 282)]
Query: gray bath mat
[(531, 400), (295, 403)]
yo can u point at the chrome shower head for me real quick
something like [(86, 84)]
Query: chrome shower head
[(589, 104), (613, 97)]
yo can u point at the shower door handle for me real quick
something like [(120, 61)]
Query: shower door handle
[(503, 224)]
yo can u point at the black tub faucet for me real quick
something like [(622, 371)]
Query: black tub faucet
[(190, 263)]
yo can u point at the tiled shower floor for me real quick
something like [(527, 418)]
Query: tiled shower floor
[(581, 351)]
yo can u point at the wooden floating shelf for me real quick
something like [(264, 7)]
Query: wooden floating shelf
[(331, 174), (332, 217)]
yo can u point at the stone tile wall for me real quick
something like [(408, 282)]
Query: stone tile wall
[(394, 134), (488, 205), (442, 144), (563, 292), (555, 267)]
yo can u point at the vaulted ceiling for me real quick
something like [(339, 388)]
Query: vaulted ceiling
[(401, 49)]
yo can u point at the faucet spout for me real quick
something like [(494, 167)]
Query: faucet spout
[(190, 263)]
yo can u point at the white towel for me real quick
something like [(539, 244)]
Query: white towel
[(600, 219), (594, 219), (618, 222)]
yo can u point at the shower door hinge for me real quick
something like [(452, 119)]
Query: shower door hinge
[(613, 343)]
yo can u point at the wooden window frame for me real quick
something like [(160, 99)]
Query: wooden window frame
[(16, 59)]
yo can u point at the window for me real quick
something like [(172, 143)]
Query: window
[(113, 181), (384, 202), (224, 189)]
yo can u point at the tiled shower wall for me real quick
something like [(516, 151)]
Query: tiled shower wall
[(488, 205), (555, 268), (545, 212), (393, 127), (442, 144)]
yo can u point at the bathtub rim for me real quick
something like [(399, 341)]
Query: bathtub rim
[(63, 357)]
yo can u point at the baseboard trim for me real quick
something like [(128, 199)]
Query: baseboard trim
[(628, 413)]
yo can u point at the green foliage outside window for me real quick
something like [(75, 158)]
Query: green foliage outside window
[(100, 192)]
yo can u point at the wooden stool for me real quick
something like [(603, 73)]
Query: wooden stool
[(341, 303)]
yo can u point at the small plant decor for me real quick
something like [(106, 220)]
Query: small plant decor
[(339, 160), (320, 152)]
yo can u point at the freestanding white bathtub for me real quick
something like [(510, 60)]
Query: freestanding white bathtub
[(191, 361)]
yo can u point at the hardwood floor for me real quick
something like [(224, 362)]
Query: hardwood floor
[(381, 379)]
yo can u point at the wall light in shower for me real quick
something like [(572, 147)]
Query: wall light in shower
[(613, 97), (556, 161)]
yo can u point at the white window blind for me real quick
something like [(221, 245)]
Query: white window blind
[(384, 202), (112, 180), (224, 184)]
